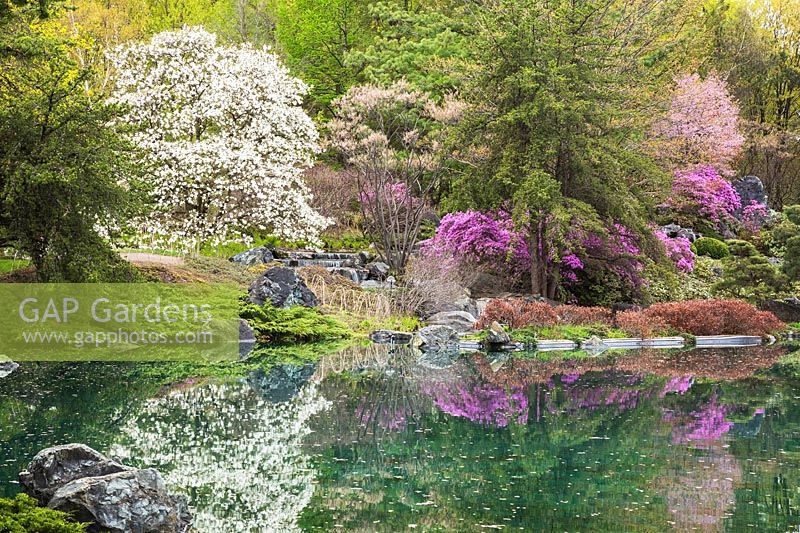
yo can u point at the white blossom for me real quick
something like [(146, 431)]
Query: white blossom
[(238, 457), (224, 136)]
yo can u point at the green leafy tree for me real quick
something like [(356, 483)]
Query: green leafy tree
[(423, 47), (63, 169), (316, 36), (748, 274), (556, 121)]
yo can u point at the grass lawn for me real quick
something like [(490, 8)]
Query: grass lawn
[(9, 265)]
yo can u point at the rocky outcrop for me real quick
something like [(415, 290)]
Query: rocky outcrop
[(750, 189), (674, 231), (378, 270), (436, 338), (134, 500), (460, 321), (254, 256), (7, 368), (282, 383), (55, 467), (787, 310), (283, 287), (113, 497)]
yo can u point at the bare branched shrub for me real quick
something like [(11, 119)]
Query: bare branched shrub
[(430, 284), (391, 138), (334, 195), (336, 291)]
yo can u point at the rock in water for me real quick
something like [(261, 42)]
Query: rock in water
[(283, 287), (496, 335), (54, 467), (247, 339), (432, 338), (387, 336), (254, 256), (134, 500), (7, 367), (458, 320), (79, 480), (282, 383)]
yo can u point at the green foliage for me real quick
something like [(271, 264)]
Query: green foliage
[(315, 36), (566, 331), (10, 265), (420, 46), (748, 274), (63, 170), (710, 247), (295, 324), (22, 515)]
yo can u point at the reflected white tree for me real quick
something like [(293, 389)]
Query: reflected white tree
[(238, 457)]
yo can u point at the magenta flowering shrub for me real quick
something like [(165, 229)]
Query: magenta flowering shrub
[(679, 250), (754, 216), (487, 238), (485, 404), (703, 192), (706, 424)]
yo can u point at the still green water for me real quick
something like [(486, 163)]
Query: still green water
[(385, 441)]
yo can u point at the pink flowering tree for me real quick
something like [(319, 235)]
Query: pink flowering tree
[(701, 193), (702, 125)]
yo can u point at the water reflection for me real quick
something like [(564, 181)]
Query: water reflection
[(386, 439)]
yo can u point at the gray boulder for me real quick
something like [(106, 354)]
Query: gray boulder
[(378, 270), (254, 256), (282, 383), (750, 189), (496, 335), (674, 231), (387, 336), (787, 310), (460, 321), (283, 287), (433, 338), (7, 367), (52, 468), (129, 501)]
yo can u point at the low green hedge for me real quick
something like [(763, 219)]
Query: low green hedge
[(23, 515)]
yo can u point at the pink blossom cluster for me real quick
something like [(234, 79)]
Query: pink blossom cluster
[(484, 404), (754, 216), (679, 385), (703, 191), (702, 126), (395, 195), (481, 237), (679, 250), (708, 423)]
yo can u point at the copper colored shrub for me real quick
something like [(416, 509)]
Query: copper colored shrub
[(518, 313), (638, 324), (715, 317), (580, 316)]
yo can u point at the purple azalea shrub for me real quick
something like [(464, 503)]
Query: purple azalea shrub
[(754, 216), (679, 250), (703, 192), (487, 238), (484, 404)]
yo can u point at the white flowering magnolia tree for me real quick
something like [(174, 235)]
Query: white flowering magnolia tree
[(225, 137), (238, 457)]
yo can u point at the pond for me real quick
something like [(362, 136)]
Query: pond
[(377, 439)]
